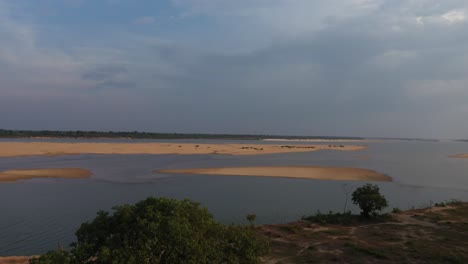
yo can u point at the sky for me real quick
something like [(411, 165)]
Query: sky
[(370, 68)]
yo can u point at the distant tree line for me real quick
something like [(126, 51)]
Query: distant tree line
[(142, 135)]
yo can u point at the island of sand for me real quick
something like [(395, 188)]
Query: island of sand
[(12, 149), (460, 156), (318, 173), (318, 140), (70, 173)]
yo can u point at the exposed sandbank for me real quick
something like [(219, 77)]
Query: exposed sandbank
[(14, 260), (318, 140), (14, 175), (460, 156), (319, 173), (12, 149)]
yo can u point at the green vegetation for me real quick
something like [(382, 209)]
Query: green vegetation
[(161, 231), (142, 135), (54, 257), (170, 231), (369, 199), (451, 202), (251, 218), (330, 218), (344, 219)]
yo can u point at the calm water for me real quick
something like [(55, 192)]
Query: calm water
[(37, 215)]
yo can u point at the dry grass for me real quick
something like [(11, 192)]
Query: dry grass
[(432, 235)]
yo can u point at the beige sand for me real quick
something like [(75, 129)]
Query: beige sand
[(319, 140), (14, 175), (320, 173), (11, 149), (461, 156), (14, 260)]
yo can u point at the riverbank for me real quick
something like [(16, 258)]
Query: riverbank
[(429, 235), (14, 149), (318, 173)]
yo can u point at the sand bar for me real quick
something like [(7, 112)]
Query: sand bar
[(460, 156), (14, 260), (319, 140), (12, 149), (319, 173), (14, 175)]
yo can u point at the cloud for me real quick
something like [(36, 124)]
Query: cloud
[(27, 66), (455, 16), (339, 67), (104, 72)]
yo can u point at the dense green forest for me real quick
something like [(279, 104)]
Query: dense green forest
[(142, 135)]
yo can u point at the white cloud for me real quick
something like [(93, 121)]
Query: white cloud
[(455, 16)]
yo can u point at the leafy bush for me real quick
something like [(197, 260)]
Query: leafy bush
[(54, 257), (163, 231), (369, 199), (331, 218), (451, 202)]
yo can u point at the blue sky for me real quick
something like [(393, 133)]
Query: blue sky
[(389, 68)]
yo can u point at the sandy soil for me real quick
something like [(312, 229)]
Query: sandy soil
[(14, 175), (12, 149), (320, 173), (461, 156)]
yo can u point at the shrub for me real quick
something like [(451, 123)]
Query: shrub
[(54, 257), (330, 218), (163, 231)]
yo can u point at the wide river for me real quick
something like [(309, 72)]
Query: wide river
[(38, 215)]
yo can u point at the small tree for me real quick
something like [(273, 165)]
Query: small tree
[(369, 199), (251, 218)]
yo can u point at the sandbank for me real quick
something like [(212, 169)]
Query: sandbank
[(14, 260), (318, 140), (319, 173), (12, 149), (14, 175), (460, 156)]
